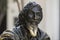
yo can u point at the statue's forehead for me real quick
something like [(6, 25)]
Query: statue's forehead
[(35, 9), (34, 3)]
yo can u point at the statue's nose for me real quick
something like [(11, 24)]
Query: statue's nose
[(36, 16)]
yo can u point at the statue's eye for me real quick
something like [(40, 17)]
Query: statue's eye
[(37, 13), (30, 15)]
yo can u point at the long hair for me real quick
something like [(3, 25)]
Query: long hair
[(23, 14)]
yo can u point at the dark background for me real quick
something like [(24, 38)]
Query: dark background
[(3, 11)]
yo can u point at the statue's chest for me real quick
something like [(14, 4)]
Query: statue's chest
[(26, 37), (30, 38), (22, 34)]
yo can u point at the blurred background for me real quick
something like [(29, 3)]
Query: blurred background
[(49, 23), (3, 15)]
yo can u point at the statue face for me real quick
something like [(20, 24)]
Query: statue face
[(34, 15)]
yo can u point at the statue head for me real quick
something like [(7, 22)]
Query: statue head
[(31, 15)]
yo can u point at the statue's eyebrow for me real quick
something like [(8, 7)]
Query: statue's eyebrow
[(35, 11)]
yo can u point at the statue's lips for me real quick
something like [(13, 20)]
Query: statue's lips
[(35, 19)]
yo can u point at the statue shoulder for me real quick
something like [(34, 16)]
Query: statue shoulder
[(43, 35)]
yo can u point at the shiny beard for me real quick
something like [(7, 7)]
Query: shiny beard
[(33, 30)]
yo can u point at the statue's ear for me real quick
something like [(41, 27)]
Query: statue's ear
[(41, 13)]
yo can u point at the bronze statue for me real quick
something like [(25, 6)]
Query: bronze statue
[(27, 29)]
